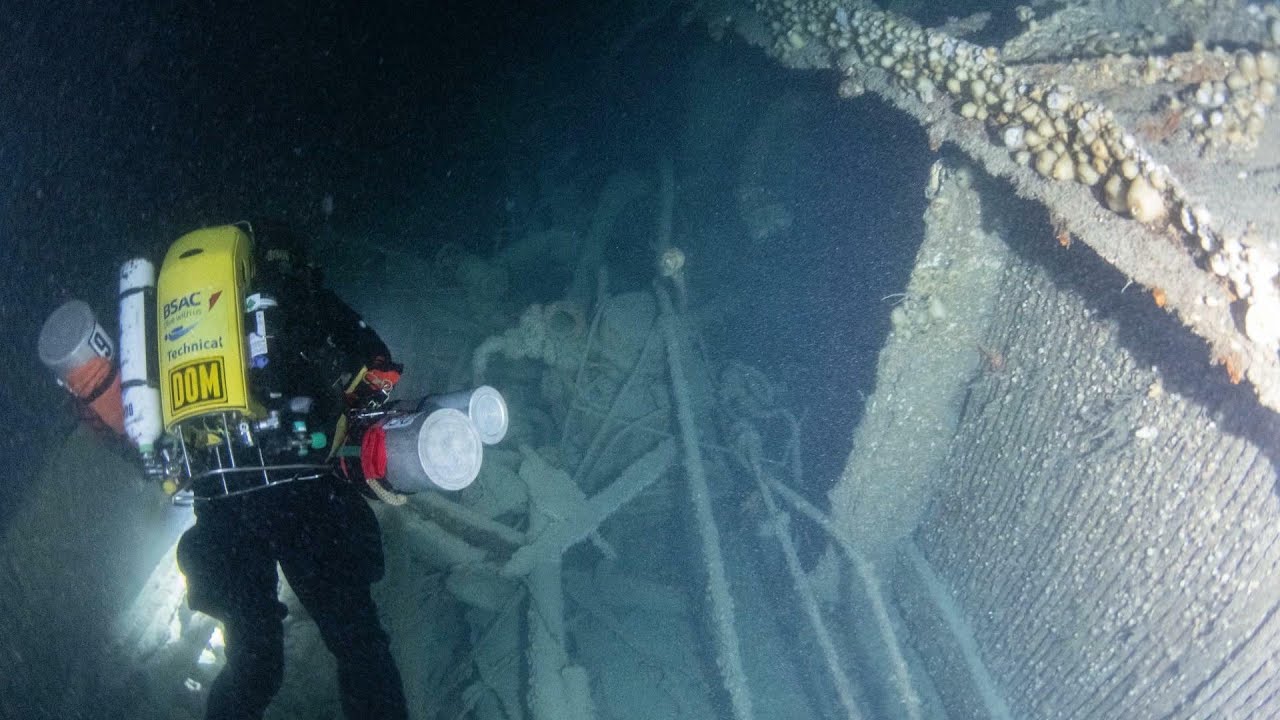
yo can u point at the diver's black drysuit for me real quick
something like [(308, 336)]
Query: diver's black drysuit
[(320, 531)]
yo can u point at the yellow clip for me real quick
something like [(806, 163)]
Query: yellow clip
[(339, 436), (355, 381)]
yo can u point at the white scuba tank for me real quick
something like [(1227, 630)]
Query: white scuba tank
[(139, 371)]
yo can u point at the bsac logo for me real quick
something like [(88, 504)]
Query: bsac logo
[(185, 302), (188, 306)]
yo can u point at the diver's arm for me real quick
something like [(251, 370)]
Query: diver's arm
[(353, 338), (348, 332)]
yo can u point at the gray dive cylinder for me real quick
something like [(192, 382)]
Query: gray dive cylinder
[(71, 337), (485, 407), (433, 448)]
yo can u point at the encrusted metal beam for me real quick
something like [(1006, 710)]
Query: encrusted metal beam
[(1072, 154)]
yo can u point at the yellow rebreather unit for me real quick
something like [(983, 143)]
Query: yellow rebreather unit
[(210, 320), (200, 326)]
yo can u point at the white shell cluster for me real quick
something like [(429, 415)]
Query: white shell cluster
[(1049, 129), (1231, 111)]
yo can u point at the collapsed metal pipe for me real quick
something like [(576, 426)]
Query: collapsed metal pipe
[(551, 544), (728, 652), (467, 523), (809, 601), (863, 570)]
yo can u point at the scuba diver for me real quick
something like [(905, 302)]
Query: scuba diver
[(249, 388), (315, 525)]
